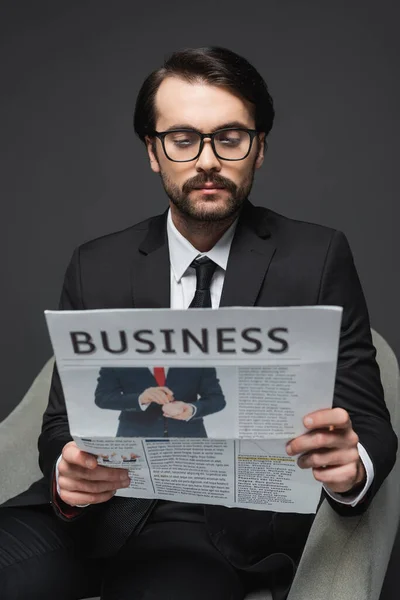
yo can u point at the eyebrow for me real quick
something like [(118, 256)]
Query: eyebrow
[(230, 124)]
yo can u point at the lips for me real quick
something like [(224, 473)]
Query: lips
[(209, 187)]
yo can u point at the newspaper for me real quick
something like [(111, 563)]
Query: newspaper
[(198, 404)]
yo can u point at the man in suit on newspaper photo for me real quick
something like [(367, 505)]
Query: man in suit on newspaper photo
[(161, 401)]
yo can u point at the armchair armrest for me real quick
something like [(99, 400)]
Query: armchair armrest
[(347, 557)]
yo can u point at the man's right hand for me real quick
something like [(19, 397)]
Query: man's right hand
[(159, 395), (83, 481)]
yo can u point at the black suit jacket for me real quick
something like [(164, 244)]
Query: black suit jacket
[(274, 261), (120, 388)]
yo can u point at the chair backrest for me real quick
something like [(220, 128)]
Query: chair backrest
[(19, 434), (389, 368)]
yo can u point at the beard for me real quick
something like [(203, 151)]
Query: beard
[(210, 208)]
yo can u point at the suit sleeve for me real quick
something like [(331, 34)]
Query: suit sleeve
[(109, 393), (55, 431), (211, 399), (358, 387)]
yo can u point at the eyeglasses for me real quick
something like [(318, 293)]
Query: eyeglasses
[(184, 145)]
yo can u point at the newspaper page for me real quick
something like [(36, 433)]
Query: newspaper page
[(198, 405)]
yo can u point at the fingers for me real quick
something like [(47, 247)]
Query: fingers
[(83, 481), (91, 487), (98, 474), (73, 455), (322, 459), (158, 396), (180, 417), (75, 498), (170, 410), (173, 409), (318, 439), (178, 410), (329, 449), (336, 417), (162, 397), (84, 486), (166, 390), (338, 479)]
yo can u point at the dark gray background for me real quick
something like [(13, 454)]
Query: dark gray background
[(72, 169)]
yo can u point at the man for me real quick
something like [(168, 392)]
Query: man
[(204, 118), (160, 402)]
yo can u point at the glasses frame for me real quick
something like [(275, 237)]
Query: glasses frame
[(161, 136)]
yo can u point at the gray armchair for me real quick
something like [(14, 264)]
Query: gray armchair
[(344, 558)]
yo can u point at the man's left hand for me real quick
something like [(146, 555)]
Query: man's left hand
[(330, 449), (178, 410)]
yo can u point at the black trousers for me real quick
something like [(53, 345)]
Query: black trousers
[(41, 560)]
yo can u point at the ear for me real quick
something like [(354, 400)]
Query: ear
[(260, 153), (151, 151)]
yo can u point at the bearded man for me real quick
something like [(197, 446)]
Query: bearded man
[(204, 118)]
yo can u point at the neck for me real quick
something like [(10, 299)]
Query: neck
[(203, 235)]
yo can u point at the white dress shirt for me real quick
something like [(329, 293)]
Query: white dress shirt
[(183, 276), (183, 287)]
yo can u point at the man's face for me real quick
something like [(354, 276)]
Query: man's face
[(205, 108)]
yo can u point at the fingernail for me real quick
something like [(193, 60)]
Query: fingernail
[(289, 449), (90, 464), (308, 421)]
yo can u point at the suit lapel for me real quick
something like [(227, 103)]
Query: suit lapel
[(249, 259), (150, 275), (250, 256)]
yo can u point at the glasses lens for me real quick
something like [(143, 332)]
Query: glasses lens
[(232, 144), (182, 145)]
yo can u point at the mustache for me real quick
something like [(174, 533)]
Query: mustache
[(200, 180)]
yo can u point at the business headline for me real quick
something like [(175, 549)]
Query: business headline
[(162, 336), (222, 340)]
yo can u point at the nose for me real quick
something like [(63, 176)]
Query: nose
[(207, 160)]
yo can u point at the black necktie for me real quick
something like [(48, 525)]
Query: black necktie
[(205, 268)]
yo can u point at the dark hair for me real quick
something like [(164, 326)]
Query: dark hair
[(213, 65)]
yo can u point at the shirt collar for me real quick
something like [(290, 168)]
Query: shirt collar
[(182, 253)]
